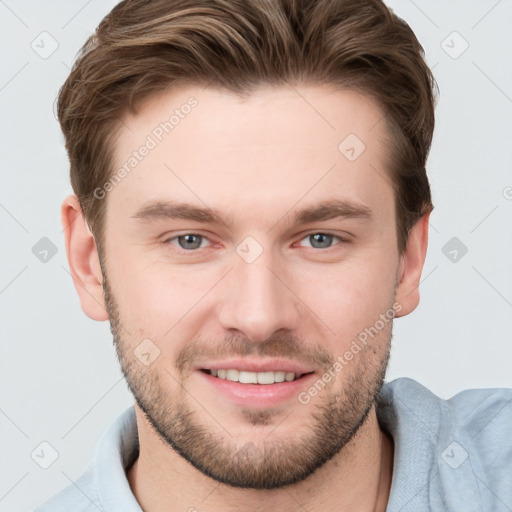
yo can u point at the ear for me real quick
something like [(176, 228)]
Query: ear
[(84, 263), (411, 266)]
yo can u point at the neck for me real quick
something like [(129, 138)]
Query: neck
[(361, 473)]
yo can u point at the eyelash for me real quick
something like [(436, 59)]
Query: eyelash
[(203, 237)]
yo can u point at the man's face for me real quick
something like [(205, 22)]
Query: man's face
[(257, 292)]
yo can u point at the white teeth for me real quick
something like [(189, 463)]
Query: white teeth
[(248, 378), (279, 376), (232, 375), (266, 378), (253, 377)]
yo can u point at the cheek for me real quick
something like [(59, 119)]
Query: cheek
[(349, 296), (160, 301), (156, 300)]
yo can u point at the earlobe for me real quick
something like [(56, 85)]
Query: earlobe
[(83, 259), (411, 266)]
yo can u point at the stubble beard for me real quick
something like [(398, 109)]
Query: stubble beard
[(272, 462)]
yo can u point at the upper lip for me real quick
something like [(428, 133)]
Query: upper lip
[(257, 365)]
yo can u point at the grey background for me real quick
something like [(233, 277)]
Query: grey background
[(60, 382)]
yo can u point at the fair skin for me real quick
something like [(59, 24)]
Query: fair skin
[(256, 163)]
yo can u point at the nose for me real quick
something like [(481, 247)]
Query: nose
[(258, 299)]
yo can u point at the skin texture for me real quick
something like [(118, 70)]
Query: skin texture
[(257, 162)]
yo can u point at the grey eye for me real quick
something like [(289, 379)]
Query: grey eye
[(190, 241), (320, 240)]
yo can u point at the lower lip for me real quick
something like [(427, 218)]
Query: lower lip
[(258, 395)]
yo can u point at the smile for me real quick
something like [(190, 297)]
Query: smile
[(245, 377)]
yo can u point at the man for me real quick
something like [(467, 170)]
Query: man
[(251, 214)]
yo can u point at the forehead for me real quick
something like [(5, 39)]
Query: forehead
[(275, 148)]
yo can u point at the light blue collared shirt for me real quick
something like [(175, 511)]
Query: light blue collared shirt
[(450, 455)]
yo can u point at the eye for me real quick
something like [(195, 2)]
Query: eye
[(321, 240), (189, 241)]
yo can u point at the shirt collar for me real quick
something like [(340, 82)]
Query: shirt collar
[(414, 431), (117, 450)]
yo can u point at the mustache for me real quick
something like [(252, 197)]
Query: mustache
[(284, 346)]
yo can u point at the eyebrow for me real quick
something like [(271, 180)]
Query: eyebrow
[(169, 210)]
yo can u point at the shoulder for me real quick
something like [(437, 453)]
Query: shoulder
[(482, 420), (79, 496), (482, 417), (464, 442), (480, 414), (104, 486), (476, 445)]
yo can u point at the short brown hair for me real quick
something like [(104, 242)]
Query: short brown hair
[(143, 47)]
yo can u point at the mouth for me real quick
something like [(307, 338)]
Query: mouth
[(255, 382), (262, 377)]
